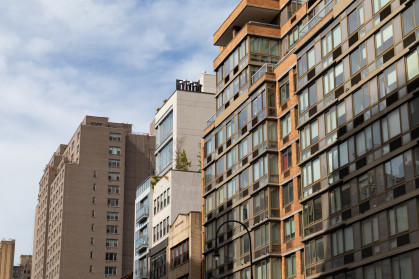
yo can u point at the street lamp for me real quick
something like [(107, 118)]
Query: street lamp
[(215, 253)]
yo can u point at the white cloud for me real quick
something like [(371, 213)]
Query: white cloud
[(61, 60)]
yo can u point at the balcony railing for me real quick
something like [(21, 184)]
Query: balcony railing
[(266, 68), (142, 213), (211, 119), (316, 19), (141, 273), (141, 243)]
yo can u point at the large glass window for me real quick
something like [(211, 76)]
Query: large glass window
[(412, 62), (333, 78), (390, 125), (260, 202), (260, 168), (164, 129), (398, 219), (294, 35), (342, 241), (262, 236), (384, 38), (340, 198), (363, 141), (366, 185), (358, 59), (356, 19), (291, 269), (306, 62), (337, 157), (394, 171), (402, 266), (361, 99), (311, 172), (373, 271), (285, 92), (369, 230), (312, 211), (219, 166), (387, 81), (308, 98), (331, 40), (314, 251), (378, 4), (286, 159), (309, 135), (258, 104), (259, 135), (164, 157)]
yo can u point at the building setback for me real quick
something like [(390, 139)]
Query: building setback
[(84, 218), (7, 254), (314, 145)]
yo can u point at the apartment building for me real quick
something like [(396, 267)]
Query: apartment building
[(23, 270), (184, 247), (314, 143), (142, 230), (7, 254), (176, 185), (84, 221)]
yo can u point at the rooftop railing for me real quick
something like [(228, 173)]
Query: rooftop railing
[(316, 19), (211, 119)]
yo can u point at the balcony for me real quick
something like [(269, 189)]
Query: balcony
[(211, 120), (266, 68), (142, 213), (141, 243), (246, 10), (316, 19)]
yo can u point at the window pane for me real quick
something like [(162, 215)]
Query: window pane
[(408, 22), (412, 64)]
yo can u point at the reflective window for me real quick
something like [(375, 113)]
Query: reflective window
[(384, 38)]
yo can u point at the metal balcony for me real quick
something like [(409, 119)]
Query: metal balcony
[(142, 213), (141, 243)]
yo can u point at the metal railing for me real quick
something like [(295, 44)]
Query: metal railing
[(316, 19), (141, 242), (142, 212), (211, 119), (266, 68)]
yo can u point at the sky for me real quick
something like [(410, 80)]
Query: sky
[(61, 60)]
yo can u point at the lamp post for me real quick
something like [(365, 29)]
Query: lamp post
[(215, 253)]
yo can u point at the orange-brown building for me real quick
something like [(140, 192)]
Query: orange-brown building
[(84, 221), (313, 141)]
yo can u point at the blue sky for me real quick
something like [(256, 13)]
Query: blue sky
[(62, 60)]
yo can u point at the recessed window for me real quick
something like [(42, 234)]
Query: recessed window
[(114, 150), (115, 137), (289, 229), (113, 202), (114, 176), (110, 270), (286, 125), (285, 92), (112, 216), (114, 163), (113, 189), (286, 159), (291, 269), (288, 194), (111, 256), (111, 229)]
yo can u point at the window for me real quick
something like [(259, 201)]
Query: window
[(309, 135), (260, 168), (164, 129), (361, 99), (114, 150), (308, 98), (244, 178), (356, 19), (288, 193), (390, 125), (384, 38), (208, 147), (286, 125), (115, 137), (402, 266), (111, 243), (387, 81), (291, 269), (289, 229), (373, 271), (168, 195), (333, 78), (342, 241), (331, 40), (219, 167), (414, 112), (306, 62), (110, 270), (243, 148), (394, 171), (111, 229), (112, 189), (312, 211), (366, 185), (311, 172), (358, 59), (230, 128), (111, 256), (112, 216), (314, 251), (398, 219), (258, 104), (113, 175), (164, 157), (260, 202), (262, 236), (244, 245), (180, 253), (231, 157), (242, 117), (286, 159), (378, 4), (369, 230), (285, 92), (219, 138), (259, 136), (293, 35), (112, 202), (114, 163), (337, 157), (244, 211), (340, 198), (412, 63)]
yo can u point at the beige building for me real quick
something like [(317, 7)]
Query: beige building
[(23, 270), (84, 218), (7, 253), (184, 247)]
